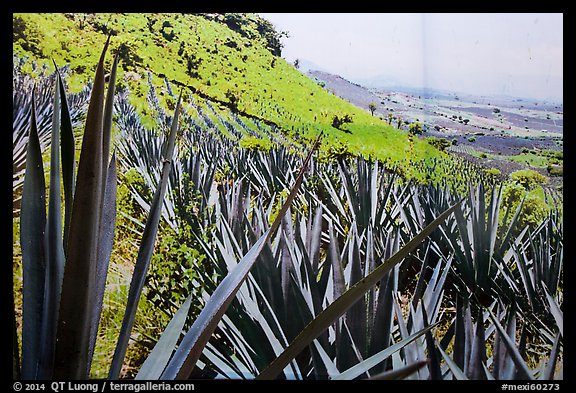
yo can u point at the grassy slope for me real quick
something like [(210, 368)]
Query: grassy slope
[(222, 61)]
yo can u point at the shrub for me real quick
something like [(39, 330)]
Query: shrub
[(534, 209), (555, 170), (512, 194), (527, 178), (127, 54), (493, 171), (252, 143), (415, 128), (337, 121), (338, 150), (175, 264), (439, 143), (533, 212)]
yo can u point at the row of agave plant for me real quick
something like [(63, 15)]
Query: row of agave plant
[(348, 218), (316, 269), (339, 195)]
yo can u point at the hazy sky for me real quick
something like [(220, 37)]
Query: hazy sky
[(511, 54)]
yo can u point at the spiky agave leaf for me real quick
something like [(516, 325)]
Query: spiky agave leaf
[(145, 252), (400, 373), (75, 320), (375, 359), (32, 232), (54, 250), (107, 223), (155, 363)]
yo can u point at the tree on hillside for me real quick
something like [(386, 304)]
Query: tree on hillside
[(233, 98), (337, 121), (415, 128), (390, 117), (372, 107)]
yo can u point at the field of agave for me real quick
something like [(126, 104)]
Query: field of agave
[(313, 266)]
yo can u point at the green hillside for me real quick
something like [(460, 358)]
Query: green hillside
[(230, 59)]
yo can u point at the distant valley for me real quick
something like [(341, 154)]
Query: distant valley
[(504, 132)]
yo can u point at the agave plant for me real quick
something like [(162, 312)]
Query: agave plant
[(508, 360), (536, 271), (72, 108), (63, 281), (472, 238)]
